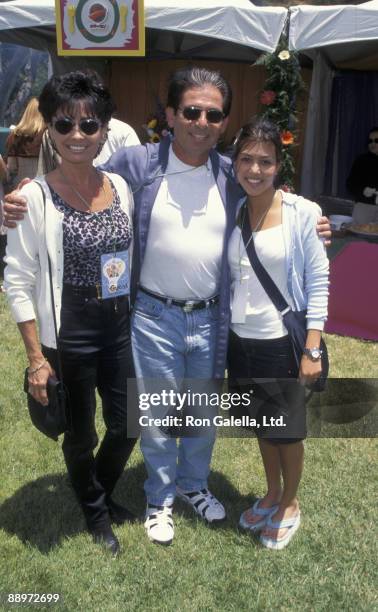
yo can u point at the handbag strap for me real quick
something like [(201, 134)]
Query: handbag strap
[(59, 361), (265, 279)]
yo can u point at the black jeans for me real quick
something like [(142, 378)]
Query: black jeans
[(95, 349), (268, 368)]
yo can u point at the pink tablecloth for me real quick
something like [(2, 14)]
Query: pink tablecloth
[(353, 298)]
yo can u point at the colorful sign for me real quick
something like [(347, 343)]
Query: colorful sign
[(100, 27)]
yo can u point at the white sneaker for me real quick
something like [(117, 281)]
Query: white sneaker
[(204, 504), (159, 524)]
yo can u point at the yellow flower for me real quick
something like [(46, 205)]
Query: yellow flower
[(155, 138), (152, 124), (284, 55)]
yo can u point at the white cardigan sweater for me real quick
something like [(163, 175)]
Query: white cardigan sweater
[(26, 276)]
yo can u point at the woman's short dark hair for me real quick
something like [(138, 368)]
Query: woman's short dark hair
[(66, 90), (194, 77), (258, 129)]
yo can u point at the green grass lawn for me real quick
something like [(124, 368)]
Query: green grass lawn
[(330, 565)]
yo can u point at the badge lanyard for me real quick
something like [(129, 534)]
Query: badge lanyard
[(115, 277)]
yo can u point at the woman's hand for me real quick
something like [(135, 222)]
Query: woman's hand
[(309, 371), (38, 381)]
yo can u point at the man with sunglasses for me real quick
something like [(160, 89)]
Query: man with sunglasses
[(362, 181), (185, 199)]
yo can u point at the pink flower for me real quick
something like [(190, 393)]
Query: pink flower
[(267, 97)]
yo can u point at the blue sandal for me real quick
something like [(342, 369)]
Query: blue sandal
[(265, 514), (291, 524)]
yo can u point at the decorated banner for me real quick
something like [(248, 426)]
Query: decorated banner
[(100, 27)]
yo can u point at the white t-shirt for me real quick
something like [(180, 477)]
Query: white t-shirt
[(253, 313), (185, 240), (120, 135)]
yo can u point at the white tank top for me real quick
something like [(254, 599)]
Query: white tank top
[(253, 314)]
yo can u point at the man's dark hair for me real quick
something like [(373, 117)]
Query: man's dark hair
[(65, 91), (189, 78)]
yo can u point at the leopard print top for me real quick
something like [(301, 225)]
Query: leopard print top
[(87, 236)]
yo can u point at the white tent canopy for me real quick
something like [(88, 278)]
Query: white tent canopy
[(344, 33), (238, 21), (335, 37), (235, 21)]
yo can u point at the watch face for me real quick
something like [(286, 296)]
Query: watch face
[(315, 354)]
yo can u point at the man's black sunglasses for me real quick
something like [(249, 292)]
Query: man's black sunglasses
[(193, 113), (373, 140), (87, 125)]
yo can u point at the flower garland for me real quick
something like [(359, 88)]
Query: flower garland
[(278, 102)]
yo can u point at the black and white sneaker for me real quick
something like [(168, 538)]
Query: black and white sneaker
[(159, 524), (204, 504)]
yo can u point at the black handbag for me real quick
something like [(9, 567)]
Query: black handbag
[(53, 419), (294, 320)]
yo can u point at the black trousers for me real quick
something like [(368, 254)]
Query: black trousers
[(268, 368), (95, 349)]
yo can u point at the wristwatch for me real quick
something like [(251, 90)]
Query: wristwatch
[(313, 353)]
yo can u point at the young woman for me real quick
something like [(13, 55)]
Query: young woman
[(81, 220), (283, 228)]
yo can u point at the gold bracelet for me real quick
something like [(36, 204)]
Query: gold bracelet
[(35, 370)]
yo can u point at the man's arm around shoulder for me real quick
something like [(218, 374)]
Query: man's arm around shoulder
[(15, 207)]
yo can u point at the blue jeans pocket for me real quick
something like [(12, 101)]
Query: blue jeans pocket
[(148, 308)]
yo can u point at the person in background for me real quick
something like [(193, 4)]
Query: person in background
[(120, 135), (283, 228), (23, 145), (362, 181), (82, 220)]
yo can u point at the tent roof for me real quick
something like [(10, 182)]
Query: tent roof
[(346, 34), (238, 21)]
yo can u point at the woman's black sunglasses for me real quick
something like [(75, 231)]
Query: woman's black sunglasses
[(87, 125), (373, 140), (193, 113)]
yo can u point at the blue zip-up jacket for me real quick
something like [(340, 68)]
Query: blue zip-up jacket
[(143, 167)]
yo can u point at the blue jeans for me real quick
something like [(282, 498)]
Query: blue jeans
[(171, 345)]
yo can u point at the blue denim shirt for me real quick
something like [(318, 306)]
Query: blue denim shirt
[(143, 167)]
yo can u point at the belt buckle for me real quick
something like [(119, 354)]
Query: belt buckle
[(188, 306)]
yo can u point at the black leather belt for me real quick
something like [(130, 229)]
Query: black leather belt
[(186, 305), (80, 291)]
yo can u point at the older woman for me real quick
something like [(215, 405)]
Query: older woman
[(80, 218)]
